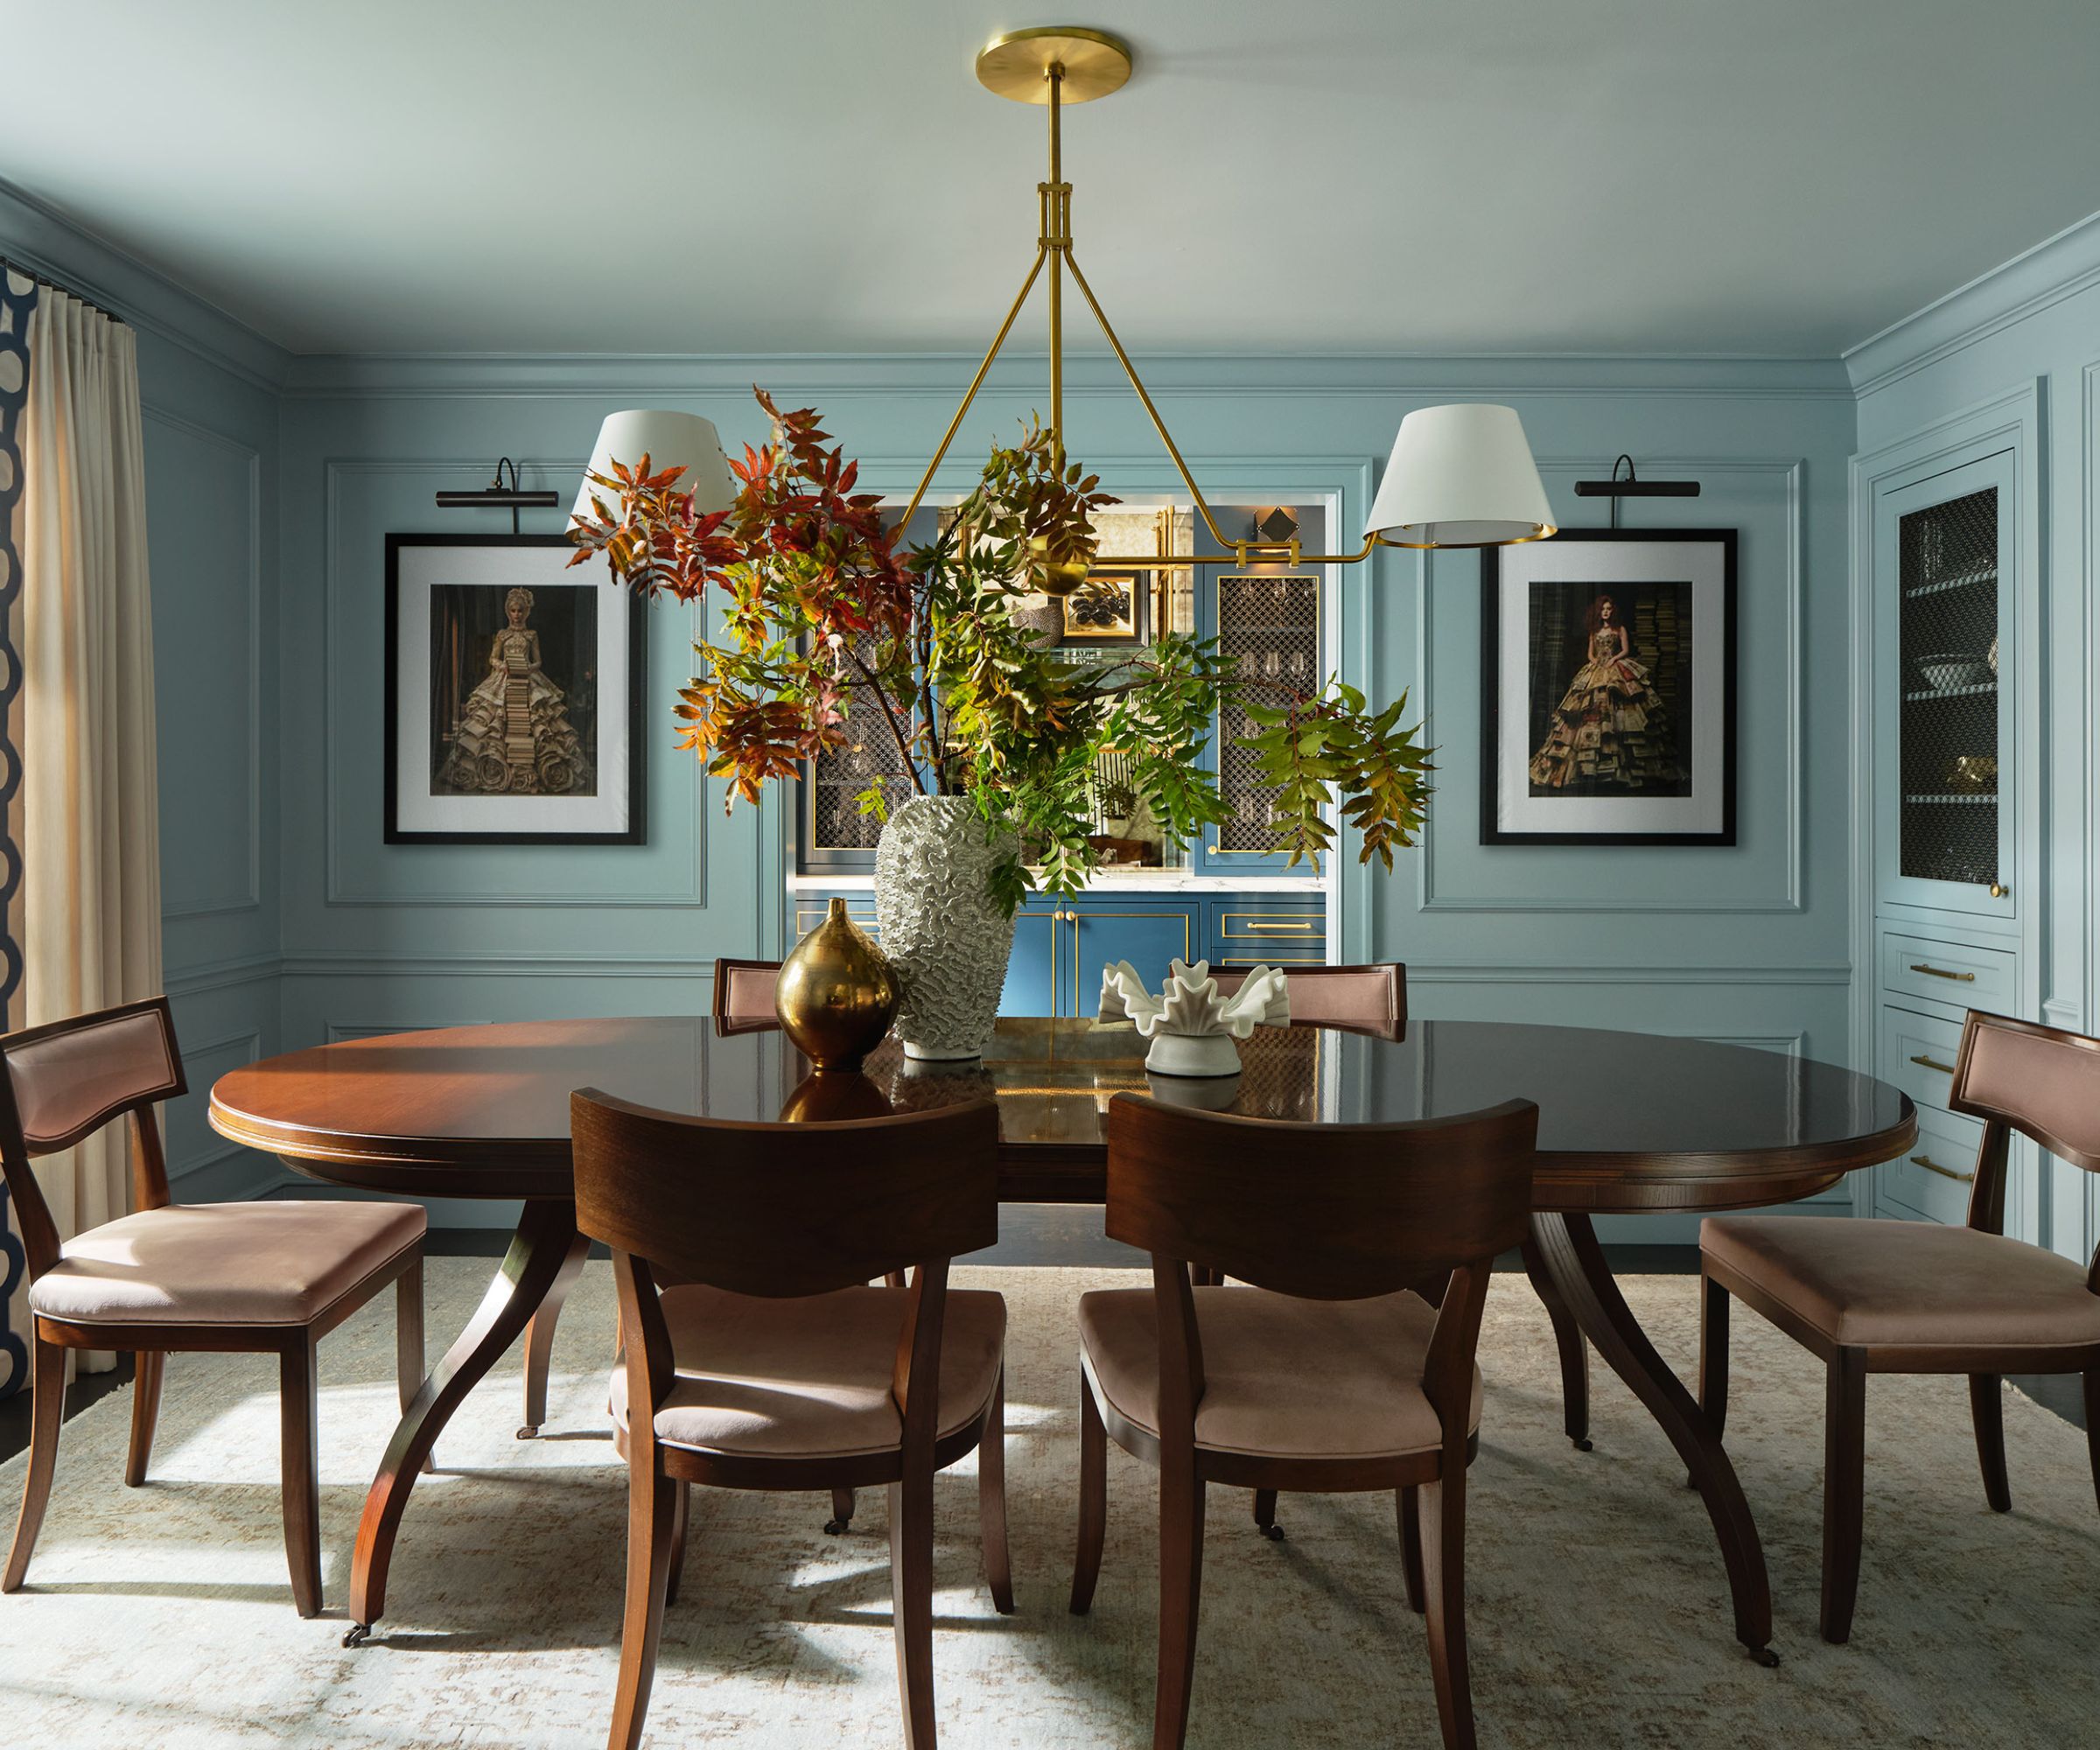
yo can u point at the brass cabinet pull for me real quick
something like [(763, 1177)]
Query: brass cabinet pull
[(1997, 891), (1932, 1165), (1933, 1063), (1306, 927), (1942, 972)]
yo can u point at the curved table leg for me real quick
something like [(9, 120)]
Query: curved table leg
[(1574, 1352), (539, 1337), (540, 1250), (1568, 1247)]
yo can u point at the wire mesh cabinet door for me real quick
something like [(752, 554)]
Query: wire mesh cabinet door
[(1946, 679)]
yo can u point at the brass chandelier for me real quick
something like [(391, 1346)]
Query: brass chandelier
[(1460, 475)]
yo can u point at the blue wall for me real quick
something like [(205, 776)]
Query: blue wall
[(1750, 943), (273, 481)]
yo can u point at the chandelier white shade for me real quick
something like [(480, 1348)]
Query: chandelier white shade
[(669, 440), (1461, 476)]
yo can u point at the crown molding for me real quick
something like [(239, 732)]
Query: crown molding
[(598, 375), (37, 235), (2055, 268)]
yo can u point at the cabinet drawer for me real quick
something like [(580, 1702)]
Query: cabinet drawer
[(1948, 972), (1933, 1179), (1283, 924), (1917, 1055), (809, 913)]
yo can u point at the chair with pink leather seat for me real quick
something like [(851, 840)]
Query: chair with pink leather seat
[(168, 1278), (743, 995), (1328, 1372), (1914, 1297), (1365, 998), (757, 1358)]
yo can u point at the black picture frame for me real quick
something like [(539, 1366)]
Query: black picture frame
[(1499, 718), (630, 721)]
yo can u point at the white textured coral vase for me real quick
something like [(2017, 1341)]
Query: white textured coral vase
[(941, 929)]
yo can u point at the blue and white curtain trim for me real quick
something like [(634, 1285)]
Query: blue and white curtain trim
[(17, 299)]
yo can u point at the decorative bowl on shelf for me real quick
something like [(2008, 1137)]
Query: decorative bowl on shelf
[(1972, 774), (1945, 672)]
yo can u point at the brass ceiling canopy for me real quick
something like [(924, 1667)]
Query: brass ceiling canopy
[(1459, 476), (1017, 64)]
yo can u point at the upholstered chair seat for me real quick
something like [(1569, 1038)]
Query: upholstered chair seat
[(1327, 1371), (757, 1356), (1913, 1296), (224, 1264), (1370, 999), (1282, 1377), (811, 1378), (170, 1277), (1893, 1284)]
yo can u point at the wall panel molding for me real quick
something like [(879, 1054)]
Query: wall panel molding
[(241, 1047), (1837, 973), (220, 975), (41, 238), (840, 376), (1790, 472), (351, 964), (250, 899), (2057, 268), (338, 889)]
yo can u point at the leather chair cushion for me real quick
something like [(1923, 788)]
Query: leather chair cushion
[(1909, 1283), (1283, 1377), (809, 1378), (224, 1264)]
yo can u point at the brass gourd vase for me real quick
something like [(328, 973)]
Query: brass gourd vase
[(837, 994)]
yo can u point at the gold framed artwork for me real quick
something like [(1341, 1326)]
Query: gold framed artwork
[(1109, 608)]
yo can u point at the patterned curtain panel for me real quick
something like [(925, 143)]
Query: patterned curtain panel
[(17, 299), (82, 725)]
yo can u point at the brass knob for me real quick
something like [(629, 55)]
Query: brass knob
[(1997, 892)]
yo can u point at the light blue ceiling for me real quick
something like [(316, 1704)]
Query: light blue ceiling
[(1766, 177)]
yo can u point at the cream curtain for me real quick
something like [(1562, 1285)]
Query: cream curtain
[(89, 820)]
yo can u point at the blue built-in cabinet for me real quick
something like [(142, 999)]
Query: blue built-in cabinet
[(1951, 661), (1060, 945)]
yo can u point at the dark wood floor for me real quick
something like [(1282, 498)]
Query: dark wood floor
[(1033, 1235)]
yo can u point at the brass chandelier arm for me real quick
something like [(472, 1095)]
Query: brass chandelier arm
[(1243, 552), (976, 383), (1129, 370), (1053, 245)]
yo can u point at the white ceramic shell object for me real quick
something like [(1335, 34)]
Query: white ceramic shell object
[(1191, 1027)]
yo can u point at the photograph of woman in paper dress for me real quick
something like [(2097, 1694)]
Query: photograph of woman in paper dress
[(513, 732), (1612, 731)]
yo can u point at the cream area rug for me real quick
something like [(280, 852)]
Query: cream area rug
[(161, 1617)]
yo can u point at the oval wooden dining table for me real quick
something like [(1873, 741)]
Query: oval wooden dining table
[(1629, 1123)]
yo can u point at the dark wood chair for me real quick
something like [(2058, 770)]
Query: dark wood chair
[(743, 995), (1327, 1374), (773, 1366), (1914, 1297), (248, 1278), (1364, 999)]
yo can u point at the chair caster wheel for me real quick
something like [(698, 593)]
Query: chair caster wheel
[(1764, 1656), (1581, 1446), (357, 1635), (529, 1431), (1273, 1533), (837, 1528)]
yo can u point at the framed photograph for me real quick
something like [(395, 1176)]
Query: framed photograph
[(514, 695), (1607, 689), (1109, 608)]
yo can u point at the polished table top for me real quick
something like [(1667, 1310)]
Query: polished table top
[(1626, 1121)]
